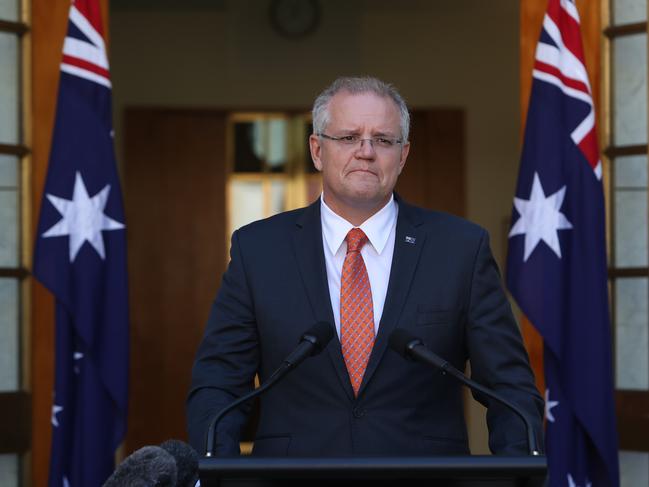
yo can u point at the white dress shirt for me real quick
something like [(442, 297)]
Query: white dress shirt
[(377, 253)]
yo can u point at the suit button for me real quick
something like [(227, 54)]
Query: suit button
[(358, 412)]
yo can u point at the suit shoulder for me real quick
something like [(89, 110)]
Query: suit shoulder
[(276, 224), (439, 221)]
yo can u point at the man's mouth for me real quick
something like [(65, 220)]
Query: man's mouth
[(365, 171)]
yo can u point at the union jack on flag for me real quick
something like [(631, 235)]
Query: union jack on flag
[(84, 51), (556, 267), (80, 256)]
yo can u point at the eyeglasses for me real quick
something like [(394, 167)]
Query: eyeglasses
[(378, 141)]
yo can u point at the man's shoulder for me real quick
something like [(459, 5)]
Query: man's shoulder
[(432, 220), (440, 222), (276, 224)]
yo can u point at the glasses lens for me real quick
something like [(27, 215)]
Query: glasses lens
[(377, 142), (383, 142)]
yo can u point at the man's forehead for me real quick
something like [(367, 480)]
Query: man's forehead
[(345, 98), (363, 107)]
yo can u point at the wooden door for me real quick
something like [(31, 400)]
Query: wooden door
[(174, 180), (434, 175)]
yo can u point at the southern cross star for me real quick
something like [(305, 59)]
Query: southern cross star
[(549, 405), (571, 482), (56, 409), (77, 356), (540, 218), (83, 218)]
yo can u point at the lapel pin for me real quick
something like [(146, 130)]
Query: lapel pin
[(410, 240)]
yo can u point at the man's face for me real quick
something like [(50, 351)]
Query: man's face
[(360, 176)]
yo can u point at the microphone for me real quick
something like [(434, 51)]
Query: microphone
[(312, 343), (150, 466), (411, 347), (186, 460)]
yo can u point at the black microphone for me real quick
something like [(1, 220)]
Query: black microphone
[(150, 466), (311, 343), (411, 347), (186, 460)]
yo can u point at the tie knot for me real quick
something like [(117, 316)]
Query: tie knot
[(356, 238)]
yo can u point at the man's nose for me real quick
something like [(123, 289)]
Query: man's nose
[(366, 148)]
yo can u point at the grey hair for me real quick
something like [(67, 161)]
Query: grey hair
[(358, 85)]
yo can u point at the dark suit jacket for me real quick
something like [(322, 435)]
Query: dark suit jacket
[(444, 287)]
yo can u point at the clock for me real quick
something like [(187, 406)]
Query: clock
[(294, 19)]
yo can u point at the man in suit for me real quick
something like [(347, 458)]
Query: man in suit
[(365, 261)]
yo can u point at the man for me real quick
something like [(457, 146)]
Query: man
[(366, 262)]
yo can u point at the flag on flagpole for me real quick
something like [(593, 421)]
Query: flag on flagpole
[(80, 256), (556, 267)]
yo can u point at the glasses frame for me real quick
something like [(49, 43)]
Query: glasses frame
[(359, 142)]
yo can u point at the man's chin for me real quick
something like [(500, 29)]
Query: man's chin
[(368, 198)]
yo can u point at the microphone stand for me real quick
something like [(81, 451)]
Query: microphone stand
[(414, 348), (272, 380), (312, 342)]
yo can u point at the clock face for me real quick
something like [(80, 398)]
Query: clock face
[(294, 18)]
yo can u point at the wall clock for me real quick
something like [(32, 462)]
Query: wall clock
[(294, 19)]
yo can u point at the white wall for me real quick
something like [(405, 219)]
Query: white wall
[(460, 53)]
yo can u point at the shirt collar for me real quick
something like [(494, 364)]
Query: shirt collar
[(377, 227)]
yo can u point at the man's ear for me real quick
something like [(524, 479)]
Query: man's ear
[(404, 155), (316, 151)]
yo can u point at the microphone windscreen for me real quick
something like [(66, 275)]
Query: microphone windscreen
[(150, 466), (399, 341), (323, 332), (186, 461)]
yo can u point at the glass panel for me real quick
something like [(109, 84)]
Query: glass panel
[(259, 143), (8, 171), (9, 349), (634, 468), (628, 12), (631, 172), (9, 224), (274, 132), (246, 148), (277, 197), (9, 470), (631, 228), (630, 89), (9, 87), (246, 203), (631, 337), (9, 10)]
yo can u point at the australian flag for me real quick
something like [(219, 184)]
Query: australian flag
[(557, 268), (80, 256)]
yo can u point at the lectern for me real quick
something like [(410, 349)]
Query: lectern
[(461, 471)]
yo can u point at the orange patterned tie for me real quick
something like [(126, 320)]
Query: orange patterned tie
[(356, 310)]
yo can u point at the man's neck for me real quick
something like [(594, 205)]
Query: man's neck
[(355, 214)]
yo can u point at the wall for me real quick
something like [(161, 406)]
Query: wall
[(225, 54)]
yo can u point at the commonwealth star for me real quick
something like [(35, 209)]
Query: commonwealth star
[(540, 218), (83, 218)]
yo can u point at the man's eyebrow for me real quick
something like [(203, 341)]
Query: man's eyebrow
[(380, 133)]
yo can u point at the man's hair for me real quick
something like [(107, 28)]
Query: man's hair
[(357, 86)]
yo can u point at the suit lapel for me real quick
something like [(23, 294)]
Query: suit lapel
[(408, 243), (307, 242)]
